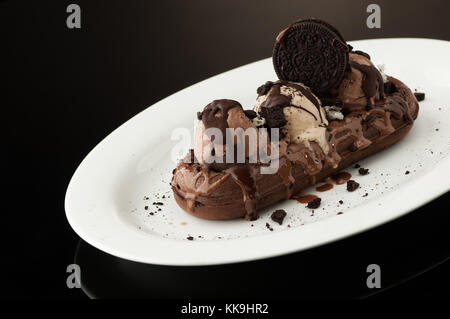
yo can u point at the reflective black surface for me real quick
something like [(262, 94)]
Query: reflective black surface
[(64, 90), (404, 249)]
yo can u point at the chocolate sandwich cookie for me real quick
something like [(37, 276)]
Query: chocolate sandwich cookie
[(312, 52)]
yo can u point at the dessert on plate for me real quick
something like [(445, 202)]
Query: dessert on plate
[(330, 108)]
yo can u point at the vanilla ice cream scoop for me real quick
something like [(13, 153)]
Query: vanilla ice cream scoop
[(295, 109)]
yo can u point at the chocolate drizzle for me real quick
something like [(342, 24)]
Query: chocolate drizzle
[(244, 176), (352, 128), (215, 115), (285, 172)]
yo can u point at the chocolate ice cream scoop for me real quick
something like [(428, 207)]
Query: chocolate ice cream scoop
[(362, 85), (218, 117)]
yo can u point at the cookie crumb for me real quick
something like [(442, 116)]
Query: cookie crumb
[(363, 171), (420, 96), (278, 216), (315, 203), (352, 185)]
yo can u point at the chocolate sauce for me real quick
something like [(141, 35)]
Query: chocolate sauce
[(244, 176), (380, 120), (398, 107), (304, 198), (310, 160), (215, 115), (324, 187), (285, 172), (280, 36), (351, 127), (341, 178)]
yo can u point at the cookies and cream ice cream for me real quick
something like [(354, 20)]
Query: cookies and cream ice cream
[(296, 110)]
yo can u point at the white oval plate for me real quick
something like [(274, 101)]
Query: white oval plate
[(105, 200)]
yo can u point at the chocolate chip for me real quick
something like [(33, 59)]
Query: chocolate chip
[(339, 213), (158, 203), (407, 172), (268, 227), (146, 207), (315, 203), (352, 185), (278, 216), (357, 166), (190, 238), (363, 171), (419, 96), (341, 202)]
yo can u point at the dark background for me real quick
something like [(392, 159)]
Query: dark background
[(66, 89)]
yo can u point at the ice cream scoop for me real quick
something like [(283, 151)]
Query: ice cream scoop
[(362, 85), (295, 109), (214, 120)]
